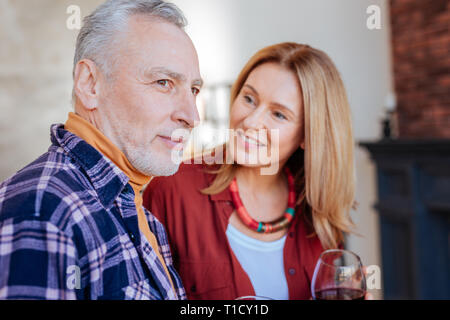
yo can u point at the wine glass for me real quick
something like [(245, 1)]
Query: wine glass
[(253, 298), (338, 276)]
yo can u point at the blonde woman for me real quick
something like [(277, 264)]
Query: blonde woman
[(234, 231)]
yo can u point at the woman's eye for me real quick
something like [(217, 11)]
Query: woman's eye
[(248, 99), (279, 115), (195, 91)]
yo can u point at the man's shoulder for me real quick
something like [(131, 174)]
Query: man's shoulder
[(41, 188)]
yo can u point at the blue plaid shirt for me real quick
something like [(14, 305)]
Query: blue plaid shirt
[(69, 230)]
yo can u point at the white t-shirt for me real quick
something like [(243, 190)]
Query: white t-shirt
[(262, 261)]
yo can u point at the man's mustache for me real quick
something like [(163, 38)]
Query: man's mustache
[(181, 134)]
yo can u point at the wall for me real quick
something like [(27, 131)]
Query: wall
[(36, 53), (421, 46)]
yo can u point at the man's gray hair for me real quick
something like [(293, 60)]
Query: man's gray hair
[(101, 29)]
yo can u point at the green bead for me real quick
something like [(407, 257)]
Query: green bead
[(260, 226), (291, 211)]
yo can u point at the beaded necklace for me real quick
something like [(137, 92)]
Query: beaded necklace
[(265, 227)]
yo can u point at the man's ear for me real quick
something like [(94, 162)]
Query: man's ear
[(86, 83)]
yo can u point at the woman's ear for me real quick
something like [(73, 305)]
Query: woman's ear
[(86, 84), (302, 145)]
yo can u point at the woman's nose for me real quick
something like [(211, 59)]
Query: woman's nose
[(255, 120)]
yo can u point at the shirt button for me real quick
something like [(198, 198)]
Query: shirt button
[(291, 234), (132, 237), (193, 288), (291, 271)]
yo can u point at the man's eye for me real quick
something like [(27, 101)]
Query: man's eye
[(195, 91), (164, 83)]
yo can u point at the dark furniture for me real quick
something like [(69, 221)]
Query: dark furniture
[(414, 211)]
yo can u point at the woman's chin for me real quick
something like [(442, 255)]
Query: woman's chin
[(246, 163), (249, 165)]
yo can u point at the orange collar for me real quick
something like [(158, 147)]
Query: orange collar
[(86, 131)]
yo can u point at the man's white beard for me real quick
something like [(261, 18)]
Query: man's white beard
[(143, 158), (151, 163)]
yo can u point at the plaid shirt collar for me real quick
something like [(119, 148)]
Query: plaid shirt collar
[(96, 166)]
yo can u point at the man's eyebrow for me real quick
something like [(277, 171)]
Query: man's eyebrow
[(172, 74), (162, 70)]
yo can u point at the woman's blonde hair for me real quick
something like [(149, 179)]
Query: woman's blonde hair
[(324, 172)]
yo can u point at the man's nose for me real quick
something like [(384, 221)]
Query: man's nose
[(186, 113)]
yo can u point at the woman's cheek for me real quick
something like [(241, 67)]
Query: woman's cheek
[(287, 144), (236, 116)]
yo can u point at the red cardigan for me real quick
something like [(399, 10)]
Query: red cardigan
[(196, 226)]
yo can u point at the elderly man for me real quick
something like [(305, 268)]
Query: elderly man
[(72, 225)]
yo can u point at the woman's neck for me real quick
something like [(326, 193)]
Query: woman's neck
[(250, 178), (264, 198)]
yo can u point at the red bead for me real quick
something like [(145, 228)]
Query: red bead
[(288, 217), (252, 223)]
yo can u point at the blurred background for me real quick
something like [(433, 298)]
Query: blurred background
[(395, 69)]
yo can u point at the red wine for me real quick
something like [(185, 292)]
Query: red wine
[(340, 294)]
